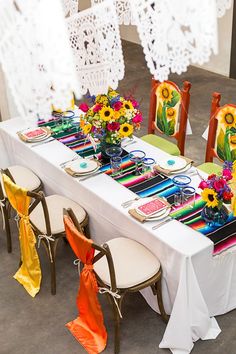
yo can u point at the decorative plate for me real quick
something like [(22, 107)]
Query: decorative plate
[(173, 163), (84, 166)]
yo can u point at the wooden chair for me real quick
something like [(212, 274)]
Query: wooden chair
[(46, 217), (123, 266), (168, 114), (26, 178), (221, 142)]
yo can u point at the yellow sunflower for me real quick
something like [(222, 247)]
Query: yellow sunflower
[(165, 92), (210, 197), (228, 117), (128, 105), (233, 141), (106, 113), (87, 128), (126, 129), (171, 113), (116, 115)]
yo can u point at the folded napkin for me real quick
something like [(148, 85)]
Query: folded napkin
[(143, 218), (28, 140), (167, 171)]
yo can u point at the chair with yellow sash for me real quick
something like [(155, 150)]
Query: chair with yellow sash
[(119, 267), (168, 115), (221, 142), (45, 215), (24, 177)]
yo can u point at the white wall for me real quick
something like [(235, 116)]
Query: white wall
[(218, 63)]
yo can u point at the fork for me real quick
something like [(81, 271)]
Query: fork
[(129, 202)]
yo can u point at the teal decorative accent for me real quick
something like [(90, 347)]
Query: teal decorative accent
[(83, 164), (170, 162)]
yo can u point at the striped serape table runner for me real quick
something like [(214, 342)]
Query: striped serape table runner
[(223, 237)]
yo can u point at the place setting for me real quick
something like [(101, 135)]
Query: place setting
[(81, 167), (36, 136), (173, 165)]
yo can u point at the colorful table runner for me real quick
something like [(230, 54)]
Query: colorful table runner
[(223, 237)]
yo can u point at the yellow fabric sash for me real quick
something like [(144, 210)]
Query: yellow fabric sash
[(29, 273)]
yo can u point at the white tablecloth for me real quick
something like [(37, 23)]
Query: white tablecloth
[(196, 286)]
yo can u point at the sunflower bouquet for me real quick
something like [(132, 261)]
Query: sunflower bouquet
[(216, 190), (111, 117)]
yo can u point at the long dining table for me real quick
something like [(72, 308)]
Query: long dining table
[(196, 286)]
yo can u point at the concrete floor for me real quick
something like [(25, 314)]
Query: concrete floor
[(36, 326)]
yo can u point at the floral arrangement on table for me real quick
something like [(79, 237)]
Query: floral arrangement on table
[(111, 117), (216, 190)]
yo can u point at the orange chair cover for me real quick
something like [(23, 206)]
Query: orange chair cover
[(89, 327), (29, 273)]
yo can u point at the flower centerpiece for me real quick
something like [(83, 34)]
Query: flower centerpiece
[(216, 192), (110, 118)]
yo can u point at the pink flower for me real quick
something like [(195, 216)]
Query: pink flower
[(84, 107), (97, 107), (213, 175), (227, 174), (117, 106), (113, 126), (203, 185), (138, 118), (135, 103), (219, 184)]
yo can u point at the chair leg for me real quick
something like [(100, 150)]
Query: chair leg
[(164, 316), (52, 263), (7, 229), (117, 323)]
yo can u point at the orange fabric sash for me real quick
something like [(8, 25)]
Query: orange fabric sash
[(29, 273), (89, 327)]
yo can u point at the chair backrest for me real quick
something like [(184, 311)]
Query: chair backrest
[(168, 112), (80, 244), (221, 142), (38, 198)]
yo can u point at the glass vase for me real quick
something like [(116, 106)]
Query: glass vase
[(104, 146), (215, 217)]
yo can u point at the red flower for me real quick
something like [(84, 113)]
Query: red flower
[(227, 174), (84, 107), (117, 106), (203, 185), (138, 118), (97, 107), (134, 103), (212, 176), (113, 126), (227, 196), (219, 184)]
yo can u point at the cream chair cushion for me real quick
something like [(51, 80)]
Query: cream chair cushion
[(133, 263), (55, 204), (24, 177)]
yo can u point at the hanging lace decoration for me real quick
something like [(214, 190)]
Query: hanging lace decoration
[(70, 7), (175, 33), (123, 10), (222, 6), (36, 56), (95, 40)]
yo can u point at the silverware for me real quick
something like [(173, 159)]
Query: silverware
[(43, 142), (90, 176), (129, 202), (129, 143), (66, 162), (162, 223)]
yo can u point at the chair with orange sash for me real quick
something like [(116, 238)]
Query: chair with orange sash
[(116, 268), (168, 115), (24, 177), (45, 215)]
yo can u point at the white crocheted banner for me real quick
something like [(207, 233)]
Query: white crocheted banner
[(222, 6), (175, 33), (36, 56), (70, 6), (95, 39), (123, 10)]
